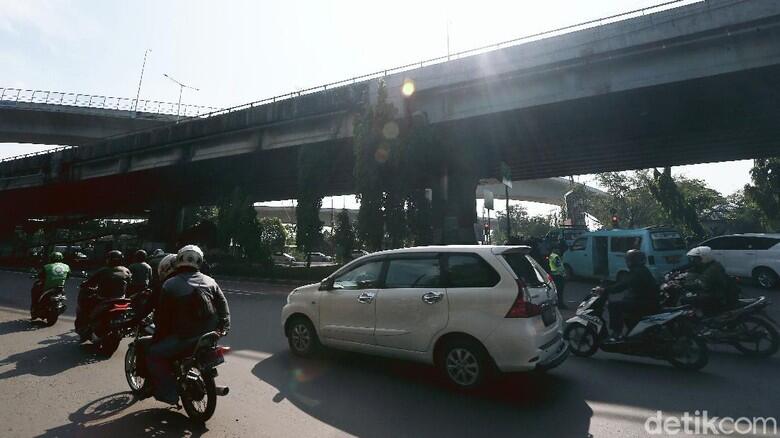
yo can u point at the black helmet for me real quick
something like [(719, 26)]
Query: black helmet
[(114, 258), (634, 258), (56, 257), (139, 256)]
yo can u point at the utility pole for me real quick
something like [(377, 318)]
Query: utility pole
[(140, 81), (181, 88)]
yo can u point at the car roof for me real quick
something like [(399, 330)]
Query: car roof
[(486, 249), (770, 235)]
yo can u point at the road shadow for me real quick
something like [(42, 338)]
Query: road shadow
[(56, 355), (100, 419), (20, 325), (375, 397)]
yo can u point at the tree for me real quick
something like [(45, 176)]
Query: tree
[(629, 198), (344, 236), (237, 225), (765, 190), (522, 224), (680, 210), (273, 235)]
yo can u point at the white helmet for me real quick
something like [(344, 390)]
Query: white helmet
[(703, 252), (167, 266), (189, 255)]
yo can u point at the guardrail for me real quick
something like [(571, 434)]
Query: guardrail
[(409, 67), (19, 95)]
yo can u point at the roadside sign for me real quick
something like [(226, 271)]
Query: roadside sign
[(506, 175), (488, 197)]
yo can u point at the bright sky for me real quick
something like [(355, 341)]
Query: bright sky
[(244, 50)]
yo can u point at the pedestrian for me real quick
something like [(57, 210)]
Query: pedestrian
[(558, 272)]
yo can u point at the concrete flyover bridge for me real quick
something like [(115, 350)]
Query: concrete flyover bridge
[(681, 85), (59, 118)]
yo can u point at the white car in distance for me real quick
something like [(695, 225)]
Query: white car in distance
[(469, 310)]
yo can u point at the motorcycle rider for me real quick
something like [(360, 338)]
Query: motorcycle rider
[(716, 290), (141, 273), (51, 276), (111, 282), (154, 262), (643, 293), (191, 304)]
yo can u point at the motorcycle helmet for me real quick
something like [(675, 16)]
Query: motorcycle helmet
[(700, 254), (158, 252), (189, 255), (114, 258), (56, 257), (139, 256), (167, 266), (634, 258)]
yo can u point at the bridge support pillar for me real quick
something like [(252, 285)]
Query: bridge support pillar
[(454, 204), (165, 225)]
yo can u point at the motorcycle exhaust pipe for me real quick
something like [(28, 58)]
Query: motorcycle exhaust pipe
[(222, 390)]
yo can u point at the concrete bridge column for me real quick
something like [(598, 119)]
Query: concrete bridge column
[(454, 206), (165, 225)]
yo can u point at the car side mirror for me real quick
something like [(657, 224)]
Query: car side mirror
[(326, 284)]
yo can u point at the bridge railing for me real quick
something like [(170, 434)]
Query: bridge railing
[(407, 67), (18, 95)]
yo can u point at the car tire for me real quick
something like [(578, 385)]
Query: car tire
[(302, 338), (766, 278), (465, 364)]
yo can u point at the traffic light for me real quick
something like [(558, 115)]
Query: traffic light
[(615, 221)]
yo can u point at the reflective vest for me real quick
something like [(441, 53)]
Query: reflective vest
[(556, 266)]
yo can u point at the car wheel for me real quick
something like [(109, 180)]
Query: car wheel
[(765, 277), (302, 338), (465, 364)]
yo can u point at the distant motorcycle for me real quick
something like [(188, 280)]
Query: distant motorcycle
[(670, 335), (50, 304), (746, 326), (194, 373), (104, 322)]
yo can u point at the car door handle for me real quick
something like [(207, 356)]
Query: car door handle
[(432, 297), (366, 297)]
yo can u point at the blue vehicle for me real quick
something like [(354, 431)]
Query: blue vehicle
[(601, 254)]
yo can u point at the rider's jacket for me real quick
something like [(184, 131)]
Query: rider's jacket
[(180, 302), (640, 286), (111, 281), (54, 275), (141, 275)]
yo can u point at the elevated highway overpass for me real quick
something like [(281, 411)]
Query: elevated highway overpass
[(697, 83)]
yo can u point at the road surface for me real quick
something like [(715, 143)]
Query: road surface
[(50, 386)]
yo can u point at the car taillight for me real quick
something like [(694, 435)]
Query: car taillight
[(223, 350), (521, 308), (550, 279)]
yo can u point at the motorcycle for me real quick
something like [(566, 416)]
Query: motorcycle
[(104, 322), (50, 304), (745, 326), (669, 335), (195, 372)]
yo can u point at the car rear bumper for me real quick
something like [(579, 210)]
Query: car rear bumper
[(561, 352)]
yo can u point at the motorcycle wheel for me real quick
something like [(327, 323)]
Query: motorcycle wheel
[(689, 353), (108, 346), (583, 340), (765, 340), (202, 407), (135, 381), (51, 318)]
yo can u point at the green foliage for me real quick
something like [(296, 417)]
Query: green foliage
[(681, 210), (522, 224), (344, 237), (237, 226), (764, 193), (629, 198), (273, 234)]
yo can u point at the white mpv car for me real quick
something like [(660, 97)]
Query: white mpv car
[(749, 255), (467, 309)]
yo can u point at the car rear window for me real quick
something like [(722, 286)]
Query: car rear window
[(667, 240), (470, 270), (762, 243), (524, 268)]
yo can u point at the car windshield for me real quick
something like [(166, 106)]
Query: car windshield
[(667, 240)]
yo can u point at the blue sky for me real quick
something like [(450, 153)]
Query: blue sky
[(240, 51)]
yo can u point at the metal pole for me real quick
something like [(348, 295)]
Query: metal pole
[(178, 106), (448, 40), (508, 222), (140, 81)]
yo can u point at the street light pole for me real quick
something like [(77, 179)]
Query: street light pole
[(140, 81), (181, 89)]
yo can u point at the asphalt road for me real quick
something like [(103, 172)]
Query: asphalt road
[(50, 386)]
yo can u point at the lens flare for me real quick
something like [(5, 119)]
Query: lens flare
[(407, 88)]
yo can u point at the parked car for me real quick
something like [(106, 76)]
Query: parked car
[(320, 257), (281, 258), (749, 255), (466, 309), (357, 253), (602, 254)]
